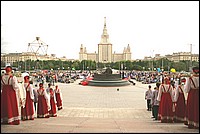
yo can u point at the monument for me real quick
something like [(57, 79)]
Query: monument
[(106, 78)]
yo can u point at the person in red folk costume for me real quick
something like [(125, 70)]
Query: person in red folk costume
[(192, 107), (180, 104), (43, 106), (58, 98), (53, 111), (165, 99), (9, 102), (27, 112)]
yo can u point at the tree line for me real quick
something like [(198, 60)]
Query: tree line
[(139, 65)]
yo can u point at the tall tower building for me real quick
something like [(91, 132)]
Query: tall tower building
[(105, 54), (105, 47), (83, 53)]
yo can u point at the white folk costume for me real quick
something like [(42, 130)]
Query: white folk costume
[(27, 112), (192, 108), (9, 104), (173, 99), (21, 94), (35, 98)]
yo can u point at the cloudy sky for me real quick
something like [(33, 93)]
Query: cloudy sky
[(149, 27)]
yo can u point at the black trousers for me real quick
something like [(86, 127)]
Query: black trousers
[(149, 104), (35, 104), (155, 111)]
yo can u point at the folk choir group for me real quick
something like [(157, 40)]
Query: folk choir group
[(168, 102), (176, 102), (44, 102)]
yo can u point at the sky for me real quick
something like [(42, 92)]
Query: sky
[(149, 27)]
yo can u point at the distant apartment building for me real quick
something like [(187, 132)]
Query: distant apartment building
[(176, 57), (105, 52), (16, 57), (157, 57), (183, 56)]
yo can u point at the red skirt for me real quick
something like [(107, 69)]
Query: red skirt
[(9, 106), (27, 113), (59, 101), (192, 108), (52, 112), (180, 108), (165, 108), (42, 111)]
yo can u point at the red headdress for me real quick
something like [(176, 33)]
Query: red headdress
[(26, 77), (195, 70), (8, 69)]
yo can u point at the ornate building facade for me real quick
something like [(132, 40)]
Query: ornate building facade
[(105, 52)]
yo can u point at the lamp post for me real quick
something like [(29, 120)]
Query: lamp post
[(62, 66), (168, 69), (17, 60), (143, 68), (162, 69), (190, 67), (88, 70), (69, 71), (152, 60), (25, 65)]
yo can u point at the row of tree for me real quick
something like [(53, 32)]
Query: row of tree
[(163, 64)]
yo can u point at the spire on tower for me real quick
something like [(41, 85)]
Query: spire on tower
[(128, 48), (104, 36), (104, 22)]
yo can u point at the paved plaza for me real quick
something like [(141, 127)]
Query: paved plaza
[(90, 109)]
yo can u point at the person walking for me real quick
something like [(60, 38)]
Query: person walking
[(148, 97), (53, 111), (165, 99), (58, 98), (192, 107), (27, 112), (9, 103), (155, 102)]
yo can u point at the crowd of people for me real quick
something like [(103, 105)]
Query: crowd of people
[(172, 102), (32, 100)]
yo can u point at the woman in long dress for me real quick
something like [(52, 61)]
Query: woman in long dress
[(165, 99), (43, 106), (192, 106), (9, 103), (58, 98), (53, 111), (180, 103), (27, 112)]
